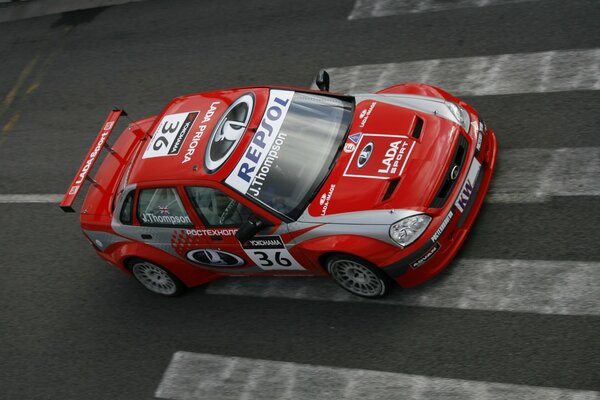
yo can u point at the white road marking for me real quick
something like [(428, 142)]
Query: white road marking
[(532, 286), (30, 198), (535, 175), (383, 8), (549, 71), (200, 376)]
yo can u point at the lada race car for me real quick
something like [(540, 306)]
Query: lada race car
[(370, 189)]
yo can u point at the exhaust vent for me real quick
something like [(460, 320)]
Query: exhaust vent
[(392, 185), (416, 133)]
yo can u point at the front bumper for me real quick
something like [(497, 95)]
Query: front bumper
[(438, 245)]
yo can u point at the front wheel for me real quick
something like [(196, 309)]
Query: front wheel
[(155, 278), (358, 276)]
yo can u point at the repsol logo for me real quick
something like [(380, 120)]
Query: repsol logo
[(258, 146)]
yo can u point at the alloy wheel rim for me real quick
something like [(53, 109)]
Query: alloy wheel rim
[(154, 278), (356, 278)]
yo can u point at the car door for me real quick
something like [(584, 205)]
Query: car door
[(221, 215), (162, 217)]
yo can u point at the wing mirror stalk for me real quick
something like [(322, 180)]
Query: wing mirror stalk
[(251, 227), (322, 81)]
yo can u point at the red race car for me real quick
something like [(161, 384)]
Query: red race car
[(370, 189)]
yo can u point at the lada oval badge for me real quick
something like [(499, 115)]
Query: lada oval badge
[(228, 132), (454, 172), (214, 258), (364, 155)]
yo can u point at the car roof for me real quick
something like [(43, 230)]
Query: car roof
[(185, 160)]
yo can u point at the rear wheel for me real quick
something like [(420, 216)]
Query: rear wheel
[(358, 276), (156, 278)]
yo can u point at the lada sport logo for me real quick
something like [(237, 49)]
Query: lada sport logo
[(228, 131), (214, 258), (364, 155)]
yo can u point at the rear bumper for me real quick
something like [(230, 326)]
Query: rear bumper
[(432, 256)]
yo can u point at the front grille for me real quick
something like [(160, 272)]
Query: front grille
[(458, 160)]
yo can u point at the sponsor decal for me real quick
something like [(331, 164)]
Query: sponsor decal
[(88, 163), (163, 209), (365, 114), (364, 155), (210, 232), (228, 132), (384, 156), (170, 134), (166, 219), (265, 168), (326, 199), (442, 227), (349, 147), (323, 199), (467, 188), (394, 156), (426, 256), (269, 253), (355, 137), (214, 258), (199, 132), (254, 165)]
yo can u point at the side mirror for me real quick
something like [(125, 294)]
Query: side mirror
[(250, 228), (322, 81)]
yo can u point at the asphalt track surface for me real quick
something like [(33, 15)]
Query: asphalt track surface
[(73, 327)]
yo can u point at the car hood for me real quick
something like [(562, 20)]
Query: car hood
[(395, 157)]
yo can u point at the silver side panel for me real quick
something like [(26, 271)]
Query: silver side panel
[(368, 217), (430, 105), (103, 239)]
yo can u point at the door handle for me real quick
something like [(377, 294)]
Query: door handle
[(146, 236)]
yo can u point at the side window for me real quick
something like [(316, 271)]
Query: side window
[(217, 209), (126, 216), (161, 207)]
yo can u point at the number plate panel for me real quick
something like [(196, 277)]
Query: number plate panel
[(270, 254), (170, 134)]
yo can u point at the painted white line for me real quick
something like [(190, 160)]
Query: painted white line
[(30, 198), (550, 71), (383, 8), (535, 175), (206, 376), (532, 286)]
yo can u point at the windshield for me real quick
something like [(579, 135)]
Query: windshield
[(292, 150)]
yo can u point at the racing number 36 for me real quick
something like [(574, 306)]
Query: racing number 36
[(265, 259), (166, 129)]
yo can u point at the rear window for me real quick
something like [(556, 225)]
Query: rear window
[(161, 207)]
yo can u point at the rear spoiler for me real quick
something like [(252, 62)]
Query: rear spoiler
[(91, 157)]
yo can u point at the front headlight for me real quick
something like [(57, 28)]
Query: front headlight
[(461, 115), (407, 230)]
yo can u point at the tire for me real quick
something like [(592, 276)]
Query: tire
[(155, 278), (358, 276)]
